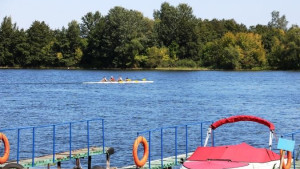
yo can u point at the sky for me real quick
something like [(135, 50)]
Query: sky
[(58, 13)]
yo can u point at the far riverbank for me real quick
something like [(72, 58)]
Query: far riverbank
[(158, 68)]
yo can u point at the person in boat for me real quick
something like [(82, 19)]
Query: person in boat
[(127, 79), (112, 79), (104, 79), (120, 79)]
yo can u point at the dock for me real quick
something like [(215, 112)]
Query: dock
[(60, 157), (297, 166), (168, 162)]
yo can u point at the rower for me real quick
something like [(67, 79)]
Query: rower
[(104, 79), (112, 79), (120, 79)]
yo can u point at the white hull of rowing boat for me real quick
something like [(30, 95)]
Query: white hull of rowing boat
[(121, 82)]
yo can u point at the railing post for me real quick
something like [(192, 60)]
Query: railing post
[(88, 137), (201, 134), (53, 159), (176, 145), (213, 138), (162, 148), (33, 139), (294, 161), (103, 136), (70, 139), (186, 141), (149, 157), (18, 147)]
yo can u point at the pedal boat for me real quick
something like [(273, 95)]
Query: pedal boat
[(241, 156)]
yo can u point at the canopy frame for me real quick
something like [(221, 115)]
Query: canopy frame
[(234, 119)]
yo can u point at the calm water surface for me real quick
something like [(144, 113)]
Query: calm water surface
[(38, 97)]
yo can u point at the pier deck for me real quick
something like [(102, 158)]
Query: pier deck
[(297, 164), (59, 157), (167, 162)]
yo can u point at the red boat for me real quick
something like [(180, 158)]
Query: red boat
[(241, 156)]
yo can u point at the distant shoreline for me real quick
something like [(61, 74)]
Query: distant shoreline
[(82, 68), (151, 69), (142, 69)]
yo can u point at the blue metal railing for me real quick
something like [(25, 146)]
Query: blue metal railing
[(149, 132), (54, 126), (292, 135)]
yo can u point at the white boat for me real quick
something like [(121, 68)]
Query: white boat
[(120, 82), (241, 156)]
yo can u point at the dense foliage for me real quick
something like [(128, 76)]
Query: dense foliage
[(174, 38)]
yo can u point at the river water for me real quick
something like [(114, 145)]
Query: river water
[(40, 97)]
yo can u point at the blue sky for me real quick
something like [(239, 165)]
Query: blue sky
[(58, 13)]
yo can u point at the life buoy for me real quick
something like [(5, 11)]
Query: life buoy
[(13, 166), (289, 160), (137, 161), (6, 148)]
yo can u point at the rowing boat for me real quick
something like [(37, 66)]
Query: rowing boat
[(120, 82), (241, 156)]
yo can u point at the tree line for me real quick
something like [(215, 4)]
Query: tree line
[(174, 38)]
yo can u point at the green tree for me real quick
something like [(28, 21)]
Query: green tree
[(252, 52), (40, 41), (175, 27), (21, 48), (74, 54), (277, 21), (7, 31), (293, 48), (157, 56), (69, 46), (124, 37), (272, 39), (235, 51), (61, 47), (89, 23), (187, 38), (93, 26), (166, 24), (287, 52), (210, 30), (14, 48)]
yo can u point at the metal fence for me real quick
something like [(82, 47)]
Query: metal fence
[(19, 137), (186, 127)]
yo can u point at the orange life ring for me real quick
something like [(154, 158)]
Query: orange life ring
[(6, 148), (137, 161), (289, 160)]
